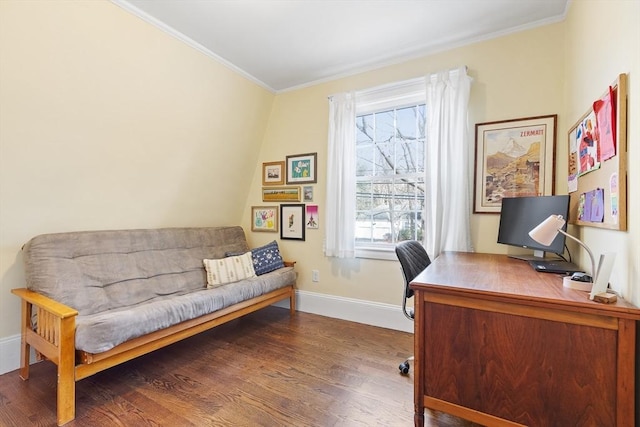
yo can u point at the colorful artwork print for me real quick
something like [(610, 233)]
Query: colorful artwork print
[(273, 173), (264, 218), (591, 206), (572, 178), (307, 193), (312, 220), (301, 168), (512, 163), (281, 194), (292, 222), (613, 190), (514, 158), (587, 144), (604, 110)]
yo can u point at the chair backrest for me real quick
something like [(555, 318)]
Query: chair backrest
[(413, 259)]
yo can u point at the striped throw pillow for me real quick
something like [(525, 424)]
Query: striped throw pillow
[(229, 270)]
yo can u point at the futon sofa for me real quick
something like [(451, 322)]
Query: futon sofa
[(95, 299)]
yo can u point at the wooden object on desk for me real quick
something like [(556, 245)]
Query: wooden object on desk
[(605, 298), (500, 344)]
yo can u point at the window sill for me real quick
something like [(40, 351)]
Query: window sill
[(386, 253)]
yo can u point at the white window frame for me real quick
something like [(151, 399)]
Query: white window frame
[(384, 98)]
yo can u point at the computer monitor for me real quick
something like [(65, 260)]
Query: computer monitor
[(519, 215)]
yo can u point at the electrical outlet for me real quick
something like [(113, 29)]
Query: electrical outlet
[(315, 276)]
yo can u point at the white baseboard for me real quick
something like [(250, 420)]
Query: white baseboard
[(371, 313), (367, 312), (10, 354)]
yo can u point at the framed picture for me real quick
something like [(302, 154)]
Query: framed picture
[(307, 193), (264, 218), (312, 219), (514, 158), (301, 168), (280, 194), (292, 222), (273, 173)]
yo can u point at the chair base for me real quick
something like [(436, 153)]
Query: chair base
[(404, 366)]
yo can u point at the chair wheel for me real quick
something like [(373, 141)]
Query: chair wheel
[(404, 368)]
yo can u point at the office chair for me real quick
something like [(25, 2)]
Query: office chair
[(413, 259)]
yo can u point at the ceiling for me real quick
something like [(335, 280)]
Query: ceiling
[(286, 44)]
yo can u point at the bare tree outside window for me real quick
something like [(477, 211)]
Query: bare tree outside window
[(390, 176)]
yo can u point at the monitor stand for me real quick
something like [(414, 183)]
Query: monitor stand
[(537, 256)]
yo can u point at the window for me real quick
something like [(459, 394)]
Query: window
[(390, 176), (384, 183)]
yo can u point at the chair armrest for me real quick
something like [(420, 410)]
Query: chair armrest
[(290, 263), (52, 306)]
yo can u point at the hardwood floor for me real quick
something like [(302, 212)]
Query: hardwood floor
[(265, 369)]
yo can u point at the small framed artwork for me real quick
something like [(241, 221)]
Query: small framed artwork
[(301, 168), (281, 194), (264, 218), (273, 173), (312, 219), (514, 158), (307, 193), (292, 218)]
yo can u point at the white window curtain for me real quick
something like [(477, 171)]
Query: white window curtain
[(448, 163), (341, 180)]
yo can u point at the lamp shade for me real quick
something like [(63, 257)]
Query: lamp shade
[(547, 230)]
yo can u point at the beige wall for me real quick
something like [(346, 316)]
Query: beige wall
[(514, 76), (107, 122), (593, 61)]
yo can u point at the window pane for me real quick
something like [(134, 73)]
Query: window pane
[(364, 129), (409, 194), (363, 196), (372, 230), (364, 230), (385, 126), (406, 123), (410, 157), (381, 202), (384, 158), (410, 226), (374, 225), (364, 160)]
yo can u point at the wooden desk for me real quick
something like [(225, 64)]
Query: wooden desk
[(499, 344)]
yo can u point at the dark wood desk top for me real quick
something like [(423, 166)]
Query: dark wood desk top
[(498, 277)]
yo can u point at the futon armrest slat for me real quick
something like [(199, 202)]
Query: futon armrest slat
[(54, 307)]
